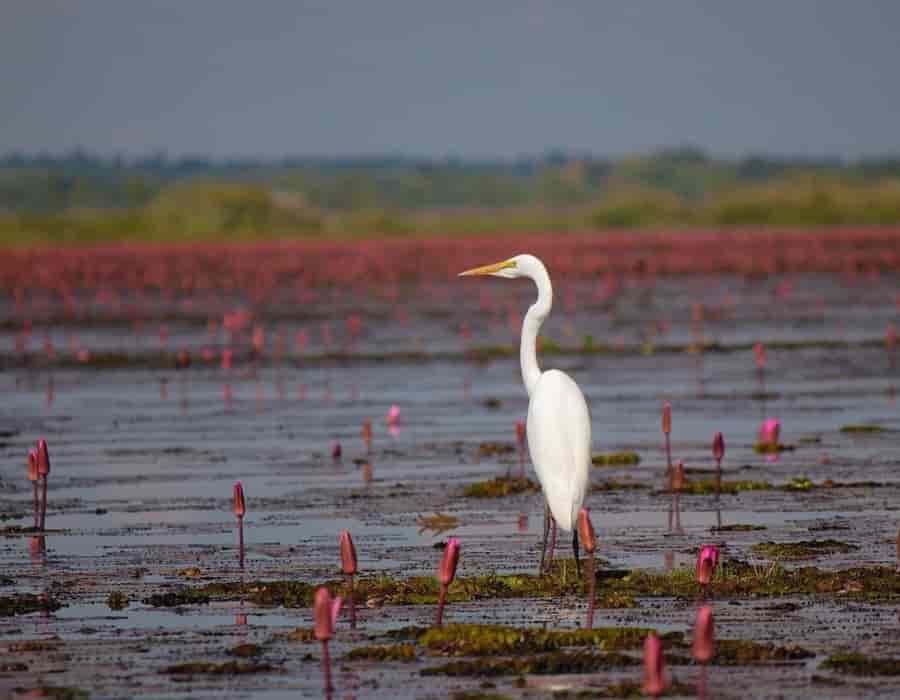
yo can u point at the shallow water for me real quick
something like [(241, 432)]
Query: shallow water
[(144, 459)]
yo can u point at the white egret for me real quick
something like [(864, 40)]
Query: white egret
[(559, 425)]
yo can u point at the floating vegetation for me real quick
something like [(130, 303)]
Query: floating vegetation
[(861, 429), (438, 523), (703, 487), (617, 600), (494, 640), (616, 588), (117, 601), (545, 664), (614, 485), (391, 652), (737, 652), (738, 579), (229, 668), (862, 665), (301, 634), (771, 448), (490, 449), (805, 549), (799, 483), (500, 487), (616, 459), (26, 603), (245, 651), (737, 527)]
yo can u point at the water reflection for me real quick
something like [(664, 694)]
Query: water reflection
[(38, 549), (522, 523), (674, 519)]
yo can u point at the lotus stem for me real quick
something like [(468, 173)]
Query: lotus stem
[(241, 539), (326, 667), (37, 504), (442, 598), (44, 505), (592, 590)]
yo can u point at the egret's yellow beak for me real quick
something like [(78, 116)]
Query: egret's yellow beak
[(489, 269)]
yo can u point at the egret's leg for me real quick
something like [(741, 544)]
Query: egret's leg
[(546, 532), (575, 549)]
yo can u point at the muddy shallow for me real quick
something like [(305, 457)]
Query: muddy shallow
[(144, 457)]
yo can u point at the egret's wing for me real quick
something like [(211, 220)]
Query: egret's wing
[(559, 439)]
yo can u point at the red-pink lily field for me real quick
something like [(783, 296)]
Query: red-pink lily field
[(319, 469)]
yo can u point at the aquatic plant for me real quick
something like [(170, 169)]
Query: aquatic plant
[(43, 466), (348, 564), (446, 574), (862, 665), (500, 487), (769, 434), (804, 549), (718, 449), (33, 477), (616, 459), (240, 509), (707, 560)]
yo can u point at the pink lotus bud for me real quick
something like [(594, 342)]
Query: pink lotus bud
[(393, 415), (336, 451), (348, 554), (704, 645), (336, 604), (239, 506), (655, 681), (770, 432), (667, 418), (586, 531), (447, 569), (520, 432), (707, 560), (325, 614), (32, 465), (227, 356), (43, 458), (718, 447)]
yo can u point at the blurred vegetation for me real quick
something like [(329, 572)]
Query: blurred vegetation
[(80, 197)]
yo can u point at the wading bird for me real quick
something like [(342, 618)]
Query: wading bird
[(558, 425)]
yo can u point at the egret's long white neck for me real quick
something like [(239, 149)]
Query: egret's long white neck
[(537, 312)]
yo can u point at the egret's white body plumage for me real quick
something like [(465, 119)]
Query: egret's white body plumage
[(559, 440), (559, 425)]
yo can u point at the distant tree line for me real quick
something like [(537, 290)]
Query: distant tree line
[(81, 196)]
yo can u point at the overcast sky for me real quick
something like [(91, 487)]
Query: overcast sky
[(471, 78)]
